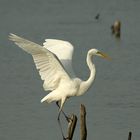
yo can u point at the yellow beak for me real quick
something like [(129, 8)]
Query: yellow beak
[(104, 55)]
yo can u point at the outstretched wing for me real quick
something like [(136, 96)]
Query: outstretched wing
[(64, 51), (50, 69)]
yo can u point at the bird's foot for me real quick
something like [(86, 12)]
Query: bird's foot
[(68, 119), (67, 138)]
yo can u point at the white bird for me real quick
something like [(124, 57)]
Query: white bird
[(54, 62)]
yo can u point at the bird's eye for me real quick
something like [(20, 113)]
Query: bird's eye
[(97, 52)]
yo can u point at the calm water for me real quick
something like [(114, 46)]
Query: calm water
[(113, 102)]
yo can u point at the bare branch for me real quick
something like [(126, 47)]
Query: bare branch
[(71, 126), (83, 130)]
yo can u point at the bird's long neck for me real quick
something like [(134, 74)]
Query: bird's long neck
[(86, 84)]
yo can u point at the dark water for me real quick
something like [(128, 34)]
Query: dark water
[(113, 102)]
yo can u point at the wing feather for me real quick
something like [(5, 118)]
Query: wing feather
[(50, 69), (63, 50)]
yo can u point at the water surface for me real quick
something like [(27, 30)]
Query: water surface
[(112, 103)]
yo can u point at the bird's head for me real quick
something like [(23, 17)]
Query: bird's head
[(92, 52)]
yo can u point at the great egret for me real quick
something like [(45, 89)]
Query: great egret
[(54, 62)]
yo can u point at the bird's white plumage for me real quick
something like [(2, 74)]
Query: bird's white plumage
[(50, 69), (64, 51), (53, 62)]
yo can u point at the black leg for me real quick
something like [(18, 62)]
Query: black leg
[(60, 125), (67, 118)]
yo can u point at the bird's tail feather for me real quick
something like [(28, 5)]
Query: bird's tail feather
[(46, 99)]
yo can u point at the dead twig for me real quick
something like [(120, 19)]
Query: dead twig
[(71, 126), (130, 136), (83, 130)]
